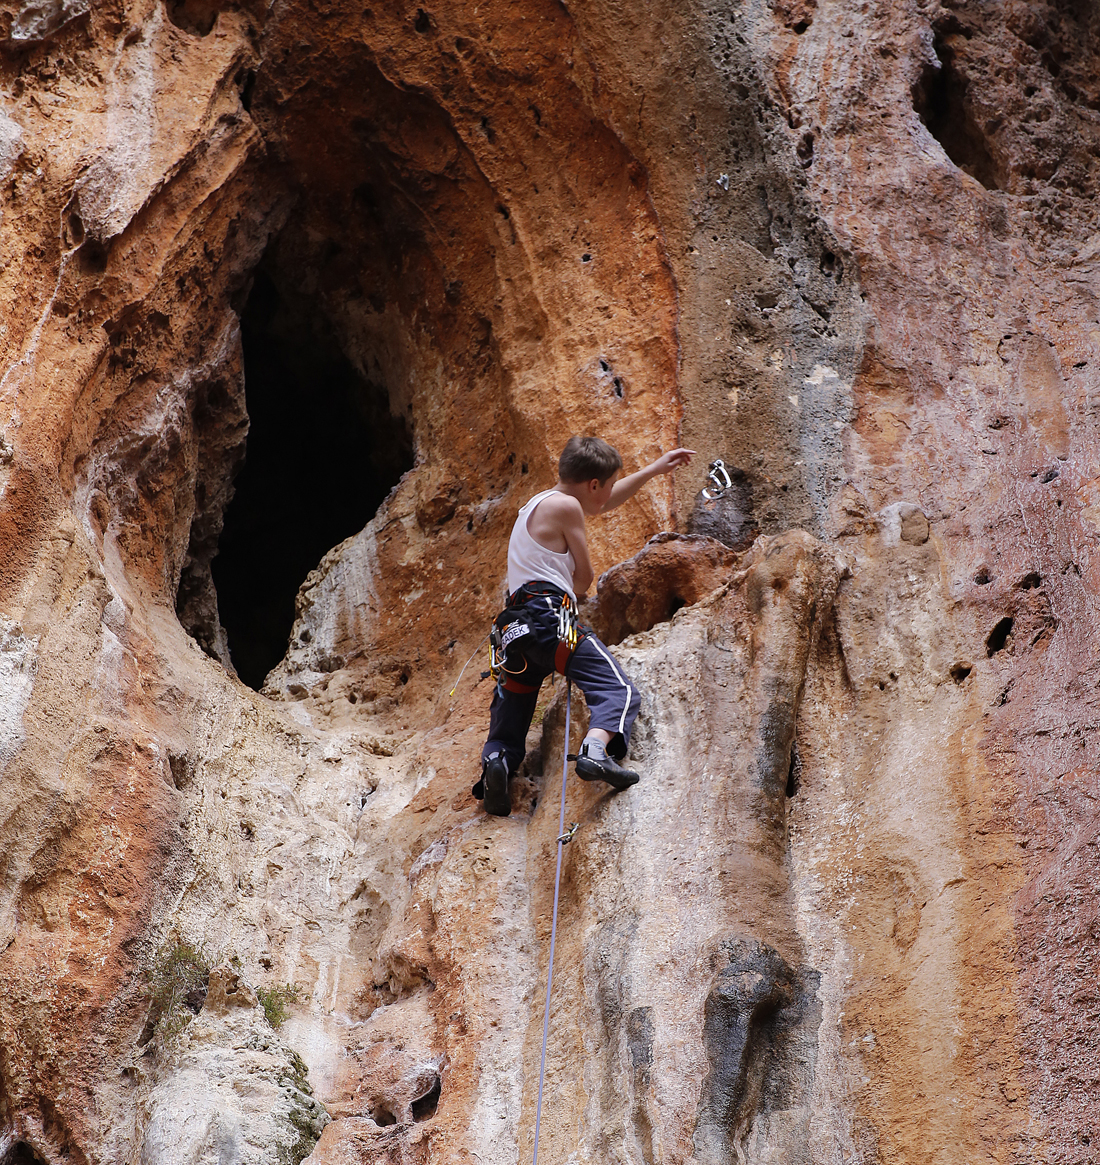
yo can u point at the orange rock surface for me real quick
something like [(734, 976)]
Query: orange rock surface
[(851, 250)]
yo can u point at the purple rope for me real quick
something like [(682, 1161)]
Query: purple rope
[(554, 923)]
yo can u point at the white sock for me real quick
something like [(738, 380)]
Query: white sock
[(594, 747)]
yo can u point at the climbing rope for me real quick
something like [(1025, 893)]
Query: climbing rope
[(467, 664), (564, 837)]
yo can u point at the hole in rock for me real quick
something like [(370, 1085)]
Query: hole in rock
[(74, 230), (246, 84), (960, 671), (998, 637), (194, 16), (794, 772), (323, 451), (940, 98), (424, 1106), (92, 257), (195, 998), (382, 1116), (831, 265), (21, 1154), (181, 769), (1030, 581), (983, 578)]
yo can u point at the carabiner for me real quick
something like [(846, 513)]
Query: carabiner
[(720, 478)]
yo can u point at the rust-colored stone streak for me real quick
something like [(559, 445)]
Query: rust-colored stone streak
[(974, 399)]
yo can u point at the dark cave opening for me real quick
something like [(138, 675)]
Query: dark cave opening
[(20, 1154), (382, 1116), (424, 1107), (323, 452), (940, 98), (998, 637)]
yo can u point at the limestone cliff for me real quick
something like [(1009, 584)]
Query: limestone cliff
[(300, 302)]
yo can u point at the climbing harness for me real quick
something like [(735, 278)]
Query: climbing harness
[(564, 836), (512, 635), (721, 479), (501, 637), (508, 636)]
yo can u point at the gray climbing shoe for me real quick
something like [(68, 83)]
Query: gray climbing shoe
[(498, 800), (604, 768)]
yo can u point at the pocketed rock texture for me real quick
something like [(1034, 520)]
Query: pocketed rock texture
[(851, 249)]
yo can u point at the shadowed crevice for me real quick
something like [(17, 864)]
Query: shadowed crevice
[(757, 1018), (21, 1154), (323, 452), (942, 100)]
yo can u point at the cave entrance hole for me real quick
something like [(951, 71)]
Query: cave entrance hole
[(941, 100), (323, 452), (21, 1154)]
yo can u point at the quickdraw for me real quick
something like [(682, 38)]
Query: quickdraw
[(568, 634), (721, 479)]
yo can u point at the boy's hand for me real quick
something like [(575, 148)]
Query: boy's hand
[(667, 462)]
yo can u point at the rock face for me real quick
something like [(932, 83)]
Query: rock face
[(324, 287)]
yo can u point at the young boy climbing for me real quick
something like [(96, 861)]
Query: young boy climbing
[(548, 569)]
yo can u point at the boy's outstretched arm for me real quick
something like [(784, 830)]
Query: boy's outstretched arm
[(626, 487)]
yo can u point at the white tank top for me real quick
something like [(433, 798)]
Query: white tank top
[(529, 561)]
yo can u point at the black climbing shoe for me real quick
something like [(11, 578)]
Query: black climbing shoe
[(590, 768), (498, 801)]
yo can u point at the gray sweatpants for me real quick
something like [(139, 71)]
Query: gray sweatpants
[(612, 700)]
